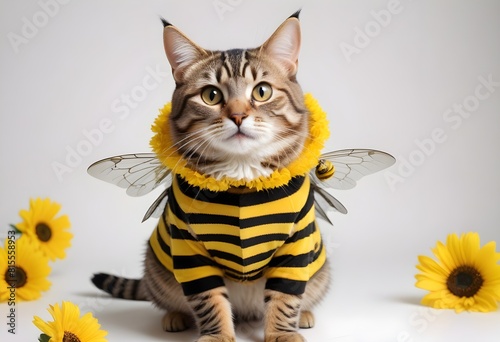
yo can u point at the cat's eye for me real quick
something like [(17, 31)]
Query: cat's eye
[(262, 92), (211, 95)]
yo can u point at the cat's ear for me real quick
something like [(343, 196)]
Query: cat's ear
[(284, 45), (180, 50)]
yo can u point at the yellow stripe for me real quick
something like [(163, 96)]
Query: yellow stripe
[(176, 221), (316, 265), (305, 221), (164, 259), (215, 228), (292, 204), (190, 205), (190, 274), (272, 228), (182, 247), (243, 253), (237, 268), (297, 273)]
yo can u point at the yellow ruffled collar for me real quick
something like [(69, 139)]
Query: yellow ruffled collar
[(308, 159)]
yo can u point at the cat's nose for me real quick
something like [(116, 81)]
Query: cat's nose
[(238, 118)]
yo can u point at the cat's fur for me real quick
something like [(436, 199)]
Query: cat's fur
[(240, 138)]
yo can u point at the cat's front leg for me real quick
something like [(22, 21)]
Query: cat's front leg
[(282, 317), (212, 312)]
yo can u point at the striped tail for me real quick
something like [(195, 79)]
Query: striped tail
[(120, 287)]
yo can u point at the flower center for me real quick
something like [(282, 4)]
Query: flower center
[(70, 337), (43, 232), (464, 281), (16, 277)]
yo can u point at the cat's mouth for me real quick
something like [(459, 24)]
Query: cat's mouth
[(240, 135)]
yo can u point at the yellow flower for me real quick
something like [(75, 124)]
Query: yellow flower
[(68, 326), (23, 270), (48, 232), (465, 277)]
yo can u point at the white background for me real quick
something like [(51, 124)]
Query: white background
[(70, 75)]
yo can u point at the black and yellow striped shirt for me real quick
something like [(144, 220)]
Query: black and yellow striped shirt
[(204, 236)]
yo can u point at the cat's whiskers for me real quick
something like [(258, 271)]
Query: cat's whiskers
[(208, 144), (178, 149), (188, 136), (185, 153)]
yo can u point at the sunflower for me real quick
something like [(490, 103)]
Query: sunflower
[(465, 277), (23, 271), (48, 232), (68, 326)]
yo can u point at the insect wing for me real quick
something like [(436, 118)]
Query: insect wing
[(326, 200), (158, 206), (352, 165), (320, 212), (138, 173)]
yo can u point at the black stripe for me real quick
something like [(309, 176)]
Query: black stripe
[(243, 223), (237, 241), (247, 63), (262, 239), (111, 284), (254, 72), (164, 247), (293, 287), (224, 59), (218, 74), (307, 206), (180, 234), (301, 260), (174, 207), (234, 59), (226, 238), (214, 219), (291, 100), (307, 231), (271, 195), (200, 285), (122, 287), (240, 261), (176, 113), (191, 261), (135, 289), (288, 260), (241, 200), (239, 277), (268, 219), (253, 274)]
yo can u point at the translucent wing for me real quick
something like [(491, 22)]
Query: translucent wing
[(349, 166), (138, 173), (158, 206), (352, 165), (326, 200)]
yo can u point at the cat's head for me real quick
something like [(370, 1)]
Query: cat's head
[(238, 113)]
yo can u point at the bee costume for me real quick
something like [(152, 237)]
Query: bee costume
[(207, 233)]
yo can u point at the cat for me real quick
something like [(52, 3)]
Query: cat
[(237, 114)]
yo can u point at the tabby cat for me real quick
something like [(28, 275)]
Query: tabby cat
[(238, 113)]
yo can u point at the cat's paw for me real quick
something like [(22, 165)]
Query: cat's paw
[(216, 338), (285, 337), (306, 320), (176, 321)]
